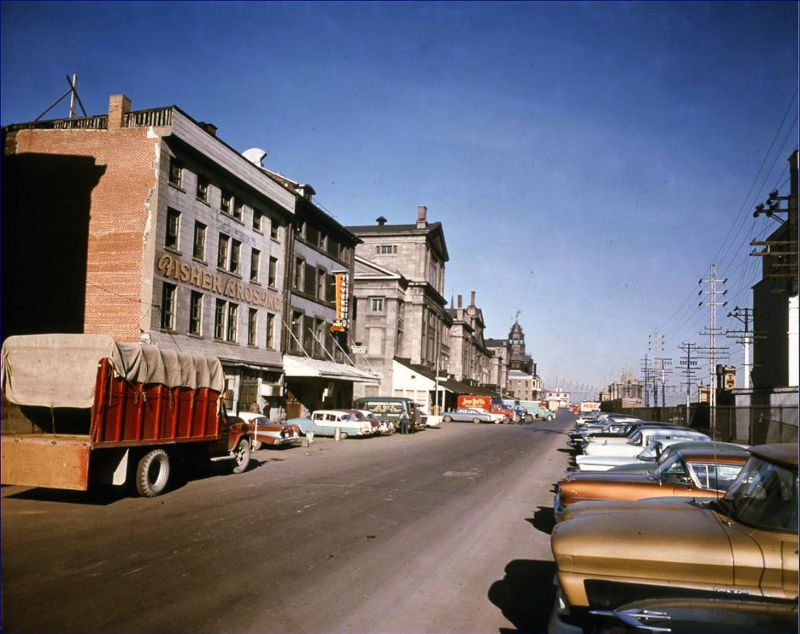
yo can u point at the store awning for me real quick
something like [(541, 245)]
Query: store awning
[(303, 367)]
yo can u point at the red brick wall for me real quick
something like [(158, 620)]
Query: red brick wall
[(119, 218)]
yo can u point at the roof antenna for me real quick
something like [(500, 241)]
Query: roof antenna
[(72, 91)]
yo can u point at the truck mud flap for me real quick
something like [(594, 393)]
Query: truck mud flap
[(46, 460)]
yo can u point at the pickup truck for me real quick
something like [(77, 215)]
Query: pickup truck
[(81, 409)]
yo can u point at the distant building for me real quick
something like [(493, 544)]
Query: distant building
[(520, 360), (498, 364), (145, 226), (628, 389), (523, 386), (399, 305), (470, 360)]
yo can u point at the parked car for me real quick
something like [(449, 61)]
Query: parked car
[(661, 450), (695, 615), (267, 432), (393, 409), (379, 426), (468, 415), (325, 422), (689, 473), (640, 438), (742, 547)]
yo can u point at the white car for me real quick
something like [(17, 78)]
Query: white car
[(633, 453), (640, 439)]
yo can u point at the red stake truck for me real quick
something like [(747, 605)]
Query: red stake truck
[(83, 408)]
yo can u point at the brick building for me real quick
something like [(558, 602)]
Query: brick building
[(147, 227)]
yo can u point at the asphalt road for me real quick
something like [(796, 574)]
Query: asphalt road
[(446, 530)]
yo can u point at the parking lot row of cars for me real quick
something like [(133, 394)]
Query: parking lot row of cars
[(660, 529)]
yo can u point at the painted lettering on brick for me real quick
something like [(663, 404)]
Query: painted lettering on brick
[(172, 267)]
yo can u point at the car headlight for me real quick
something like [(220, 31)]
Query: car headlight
[(562, 605)]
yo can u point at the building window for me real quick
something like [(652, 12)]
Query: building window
[(376, 304), (196, 313), (310, 281), (222, 251), (238, 209), (297, 331), (202, 188), (273, 231), (299, 274), (273, 272), (255, 260), (331, 291), (173, 228), (233, 322), (312, 235), (270, 331), (199, 246), (225, 200), (219, 319), (321, 284), (386, 249), (252, 326), (333, 248), (168, 296), (236, 250), (258, 219), (175, 172)]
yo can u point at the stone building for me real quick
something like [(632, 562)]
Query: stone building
[(399, 305), (318, 370), (498, 363), (147, 227), (470, 360)]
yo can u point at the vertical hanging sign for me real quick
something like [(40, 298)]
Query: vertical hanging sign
[(342, 322)]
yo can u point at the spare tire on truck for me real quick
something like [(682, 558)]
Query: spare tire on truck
[(152, 473)]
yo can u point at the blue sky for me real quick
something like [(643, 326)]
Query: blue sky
[(589, 161)]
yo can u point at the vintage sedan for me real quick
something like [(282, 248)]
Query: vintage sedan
[(379, 426), (689, 473), (637, 441), (662, 450), (741, 547), (267, 432), (468, 415), (325, 422)]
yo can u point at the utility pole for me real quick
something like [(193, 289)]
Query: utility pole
[(661, 367), (647, 371), (688, 366), (713, 352), (745, 337)]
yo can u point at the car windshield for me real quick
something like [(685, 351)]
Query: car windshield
[(764, 496), (635, 439), (648, 454), (673, 471)]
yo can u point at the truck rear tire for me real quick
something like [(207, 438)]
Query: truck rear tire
[(241, 458), (152, 473)]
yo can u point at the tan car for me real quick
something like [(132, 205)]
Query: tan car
[(741, 547), (689, 473)]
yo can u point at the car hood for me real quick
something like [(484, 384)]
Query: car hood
[(626, 541), (606, 476)]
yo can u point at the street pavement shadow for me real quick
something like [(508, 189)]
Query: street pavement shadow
[(525, 595), (543, 519)]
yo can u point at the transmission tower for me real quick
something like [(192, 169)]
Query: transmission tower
[(688, 366), (661, 367), (713, 353)]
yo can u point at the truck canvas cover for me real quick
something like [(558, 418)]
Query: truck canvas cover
[(60, 370)]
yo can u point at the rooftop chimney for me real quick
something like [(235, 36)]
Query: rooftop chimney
[(459, 301), (208, 127), (472, 298), (118, 107), (380, 220), (422, 217)]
